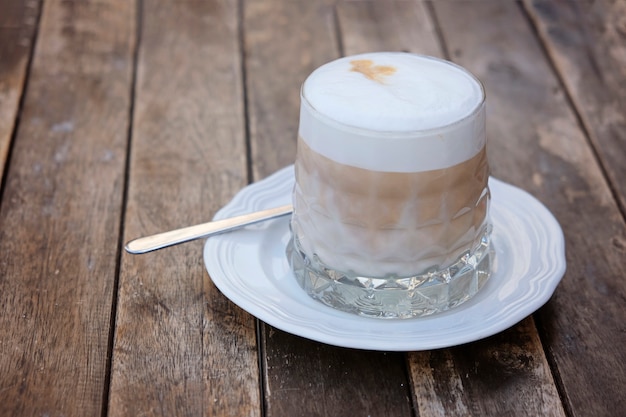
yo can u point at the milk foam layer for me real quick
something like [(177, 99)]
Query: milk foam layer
[(393, 112)]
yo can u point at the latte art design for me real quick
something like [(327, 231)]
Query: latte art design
[(371, 71)]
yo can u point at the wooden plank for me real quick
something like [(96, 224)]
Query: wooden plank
[(314, 379), (403, 25), (586, 42), (18, 21), (181, 347), (279, 56), (504, 375), (536, 143), (60, 212), (285, 41)]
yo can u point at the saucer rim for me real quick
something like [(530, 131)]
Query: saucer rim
[(391, 336)]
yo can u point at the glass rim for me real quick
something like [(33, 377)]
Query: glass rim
[(400, 133)]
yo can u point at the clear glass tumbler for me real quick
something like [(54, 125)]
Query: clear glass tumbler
[(391, 202)]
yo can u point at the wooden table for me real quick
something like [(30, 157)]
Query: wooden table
[(124, 118)]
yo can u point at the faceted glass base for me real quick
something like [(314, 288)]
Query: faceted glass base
[(394, 297)]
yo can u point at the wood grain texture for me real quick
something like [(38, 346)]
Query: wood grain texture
[(60, 212), (18, 21), (586, 41), (537, 144), (507, 374), (285, 41), (370, 26), (504, 375), (554, 73), (181, 348), (306, 378)]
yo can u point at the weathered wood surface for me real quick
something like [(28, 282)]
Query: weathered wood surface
[(283, 42), (407, 26), (586, 42), (61, 210), (503, 375), (304, 377), (584, 327), (537, 144), (18, 23), (144, 116), (181, 348)]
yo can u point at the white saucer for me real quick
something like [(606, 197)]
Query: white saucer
[(249, 267)]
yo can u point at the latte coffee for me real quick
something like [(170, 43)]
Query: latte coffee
[(391, 198)]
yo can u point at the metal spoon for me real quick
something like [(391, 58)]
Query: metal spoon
[(199, 231)]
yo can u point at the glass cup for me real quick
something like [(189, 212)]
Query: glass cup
[(391, 198)]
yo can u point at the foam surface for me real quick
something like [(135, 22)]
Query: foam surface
[(393, 112)]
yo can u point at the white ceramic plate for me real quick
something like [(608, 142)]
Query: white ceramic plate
[(250, 267)]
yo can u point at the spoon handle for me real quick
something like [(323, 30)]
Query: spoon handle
[(199, 231)]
